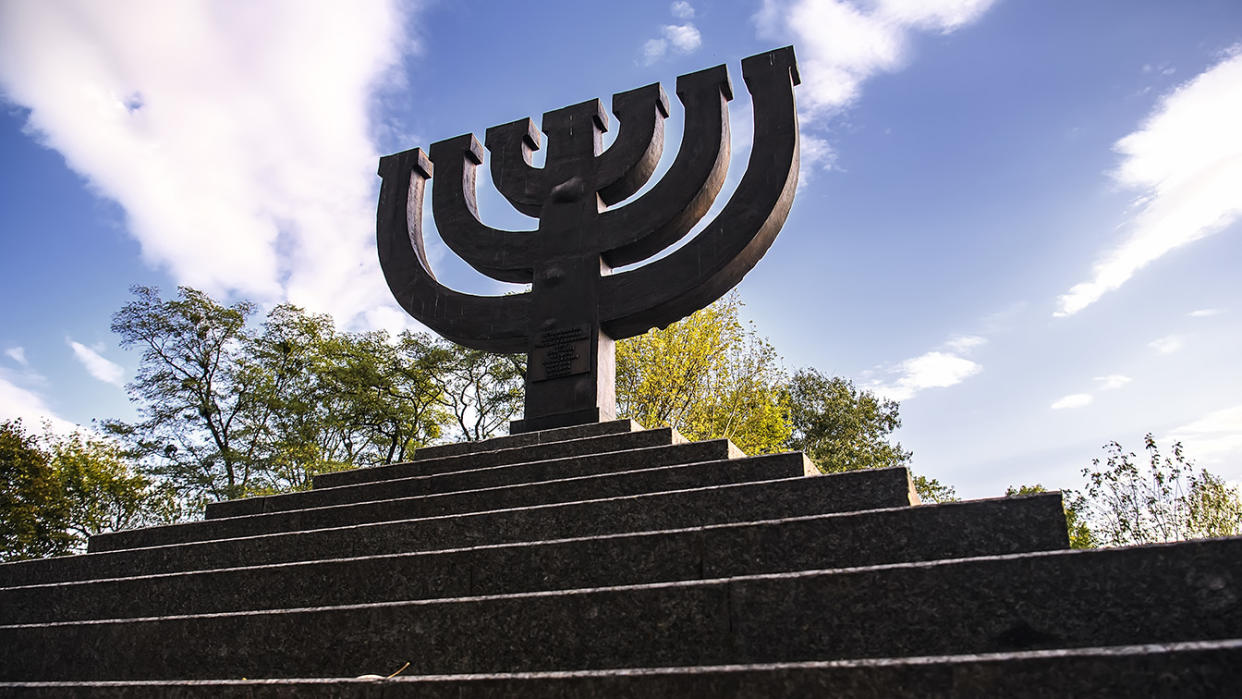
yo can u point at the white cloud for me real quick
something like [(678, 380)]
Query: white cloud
[(1166, 345), (685, 38), (813, 153), (21, 403), (842, 44), (965, 343), (17, 354), (235, 136), (1186, 163), (930, 370), (1074, 400), (1205, 312), (1112, 382), (682, 9), (682, 38), (1213, 438), (97, 365)]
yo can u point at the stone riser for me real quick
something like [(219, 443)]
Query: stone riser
[(490, 477), (1204, 669), (759, 468), (985, 605), (661, 437), (978, 528), (526, 439), (794, 497)]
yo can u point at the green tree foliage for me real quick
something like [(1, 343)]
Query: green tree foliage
[(709, 376), (1170, 499), (840, 427), (932, 490), (198, 405), (34, 515), (1074, 504), (483, 391), (228, 410), (57, 490)]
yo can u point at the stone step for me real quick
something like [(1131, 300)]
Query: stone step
[(1035, 601), (636, 482), (1185, 669), (491, 477), (791, 497), (526, 439), (537, 452), (954, 530)]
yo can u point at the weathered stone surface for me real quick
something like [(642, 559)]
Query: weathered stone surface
[(526, 439), (636, 482), (792, 497), (1051, 600), (1174, 670), (984, 527), (538, 452), (490, 477)]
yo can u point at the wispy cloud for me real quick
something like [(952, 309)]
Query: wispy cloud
[(1112, 382), (1213, 438), (1167, 345), (1205, 312), (236, 141), (841, 44), (965, 343), (97, 365), (680, 38), (17, 402), (17, 354), (939, 368), (1186, 163), (1073, 400)]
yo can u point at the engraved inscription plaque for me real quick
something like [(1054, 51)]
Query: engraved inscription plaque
[(560, 353)]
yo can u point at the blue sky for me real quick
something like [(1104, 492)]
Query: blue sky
[(1018, 218)]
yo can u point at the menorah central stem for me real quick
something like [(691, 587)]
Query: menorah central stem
[(570, 363)]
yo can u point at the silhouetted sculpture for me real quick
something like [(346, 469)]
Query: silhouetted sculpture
[(567, 323)]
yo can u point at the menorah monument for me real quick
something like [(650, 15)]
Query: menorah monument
[(575, 310)]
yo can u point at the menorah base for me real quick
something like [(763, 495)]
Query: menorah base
[(569, 419)]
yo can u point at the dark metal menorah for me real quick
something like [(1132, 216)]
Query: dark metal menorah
[(567, 323)]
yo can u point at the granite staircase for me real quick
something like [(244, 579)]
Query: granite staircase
[(606, 560)]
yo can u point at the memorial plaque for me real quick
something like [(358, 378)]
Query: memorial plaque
[(560, 353)]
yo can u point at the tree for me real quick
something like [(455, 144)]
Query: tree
[(709, 376), (932, 490), (196, 402), (58, 490), (34, 512), (842, 428), (1170, 500), (483, 391), (229, 411), (1074, 504)]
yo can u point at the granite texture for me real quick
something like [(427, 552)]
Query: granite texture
[(983, 527), (492, 477), (1175, 670), (537, 452), (526, 439), (1053, 600), (791, 497), (636, 482)]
